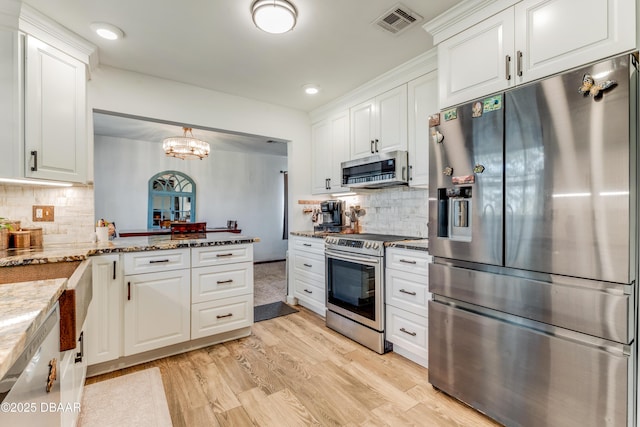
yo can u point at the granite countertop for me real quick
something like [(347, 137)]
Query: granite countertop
[(80, 251), (316, 234), (23, 310)]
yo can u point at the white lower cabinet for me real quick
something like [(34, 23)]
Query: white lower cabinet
[(307, 272), (147, 300), (406, 298), (156, 310), (221, 315), (221, 289), (104, 319)]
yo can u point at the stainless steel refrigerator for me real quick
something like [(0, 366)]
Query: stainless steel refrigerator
[(533, 229)]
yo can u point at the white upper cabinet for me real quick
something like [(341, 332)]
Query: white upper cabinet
[(11, 164), (555, 35), (477, 61), (380, 124), (531, 40), (55, 114), (329, 147), (423, 102)]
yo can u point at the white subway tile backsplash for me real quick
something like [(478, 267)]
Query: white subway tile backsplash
[(74, 218), (393, 210)]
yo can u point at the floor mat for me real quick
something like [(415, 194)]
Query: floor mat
[(135, 400), (269, 311)]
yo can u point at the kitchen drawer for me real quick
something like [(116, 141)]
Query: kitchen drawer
[(408, 333), (309, 244), (216, 255), (215, 317), (309, 263), (407, 291), (408, 260), (306, 288), (155, 261), (221, 281)]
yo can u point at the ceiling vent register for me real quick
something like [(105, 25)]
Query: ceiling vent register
[(397, 19)]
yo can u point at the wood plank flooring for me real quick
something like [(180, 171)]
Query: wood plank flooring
[(294, 371)]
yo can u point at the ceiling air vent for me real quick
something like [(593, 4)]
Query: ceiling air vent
[(397, 19)]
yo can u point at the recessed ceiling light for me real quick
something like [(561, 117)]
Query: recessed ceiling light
[(311, 89), (107, 31)]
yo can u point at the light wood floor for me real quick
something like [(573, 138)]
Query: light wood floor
[(293, 371)]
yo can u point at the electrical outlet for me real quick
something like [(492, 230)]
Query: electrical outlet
[(43, 213)]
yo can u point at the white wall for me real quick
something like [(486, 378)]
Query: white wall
[(246, 187), (145, 96)]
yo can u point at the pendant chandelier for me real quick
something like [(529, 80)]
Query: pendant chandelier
[(185, 147)]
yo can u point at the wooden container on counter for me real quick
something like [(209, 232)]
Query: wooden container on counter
[(35, 236), (19, 239), (4, 238)]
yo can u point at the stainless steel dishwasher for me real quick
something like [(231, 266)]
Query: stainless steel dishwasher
[(30, 391)]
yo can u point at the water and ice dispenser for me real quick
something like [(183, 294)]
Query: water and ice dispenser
[(454, 213)]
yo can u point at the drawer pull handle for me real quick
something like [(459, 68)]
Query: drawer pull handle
[(222, 316), (307, 244), (408, 261), (307, 265), (413, 334), (219, 282), (158, 261), (223, 255), (407, 292), (308, 291)]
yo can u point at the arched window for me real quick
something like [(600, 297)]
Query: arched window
[(172, 197)]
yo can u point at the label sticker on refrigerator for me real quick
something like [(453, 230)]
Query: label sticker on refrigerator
[(476, 109), (492, 104), (451, 114), (466, 179)]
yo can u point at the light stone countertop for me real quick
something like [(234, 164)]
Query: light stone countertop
[(24, 305), (416, 245), (23, 309)]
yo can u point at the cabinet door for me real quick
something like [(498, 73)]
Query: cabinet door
[(556, 35), (156, 310), (422, 101), (362, 129), (339, 141), (55, 114), (104, 319), (478, 61), (11, 103), (320, 157), (391, 120)]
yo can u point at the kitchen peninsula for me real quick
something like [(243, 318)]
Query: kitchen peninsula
[(25, 304)]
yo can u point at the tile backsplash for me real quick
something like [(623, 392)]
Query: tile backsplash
[(74, 211), (397, 210)]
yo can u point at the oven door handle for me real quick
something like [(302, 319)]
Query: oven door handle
[(343, 257)]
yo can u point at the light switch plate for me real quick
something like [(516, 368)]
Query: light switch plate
[(42, 213)]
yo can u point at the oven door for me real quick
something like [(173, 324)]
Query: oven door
[(354, 287)]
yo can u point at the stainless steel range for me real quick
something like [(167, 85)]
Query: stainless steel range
[(355, 287)]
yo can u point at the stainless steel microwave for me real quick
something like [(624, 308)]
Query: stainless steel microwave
[(380, 170)]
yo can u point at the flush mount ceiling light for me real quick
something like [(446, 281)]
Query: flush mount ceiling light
[(185, 147), (311, 89), (274, 16), (107, 31)]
